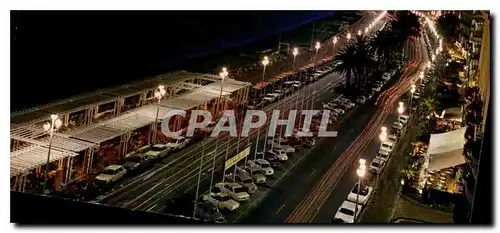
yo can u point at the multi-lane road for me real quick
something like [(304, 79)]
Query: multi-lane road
[(178, 172), (314, 190)]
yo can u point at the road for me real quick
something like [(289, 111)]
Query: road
[(179, 170), (282, 202)]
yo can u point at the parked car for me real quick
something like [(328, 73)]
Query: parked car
[(383, 155), (244, 179), (222, 201), (137, 162), (257, 175), (377, 87), (158, 151), (280, 143), (346, 211), (262, 164), (386, 76), (392, 138), (361, 100), (208, 211), (178, 143), (234, 190), (309, 142), (365, 193), (280, 154), (111, 173), (377, 165), (403, 119), (387, 146)]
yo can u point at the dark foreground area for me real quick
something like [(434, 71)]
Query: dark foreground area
[(42, 210)]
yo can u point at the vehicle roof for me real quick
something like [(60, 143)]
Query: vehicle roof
[(263, 161), (384, 152), (388, 143), (349, 205), (113, 167), (235, 185), (243, 175), (159, 145)]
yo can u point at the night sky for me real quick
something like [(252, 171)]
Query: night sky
[(56, 54)]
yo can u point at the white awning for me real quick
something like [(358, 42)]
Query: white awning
[(445, 150), (23, 160), (189, 100), (118, 126)]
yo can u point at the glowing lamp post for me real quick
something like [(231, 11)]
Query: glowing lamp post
[(348, 36), (334, 42), (361, 173), (159, 93), (265, 62), (412, 90), (359, 33), (317, 46), (50, 128), (294, 53)]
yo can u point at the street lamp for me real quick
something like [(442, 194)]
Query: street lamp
[(428, 65), (366, 30), (361, 173), (223, 75), (50, 128), (317, 46), (359, 32), (265, 62), (383, 137), (348, 36), (334, 42), (433, 57), (295, 53), (421, 77), (412, 90), (401, 108), (159, 93)]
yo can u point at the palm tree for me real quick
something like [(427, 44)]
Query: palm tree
[(383, 47), (430, 105), (347, 63), (448, 26), (406, 25), (364, 60)]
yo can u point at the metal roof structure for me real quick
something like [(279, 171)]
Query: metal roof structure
[(84, 101), (21, 161), (72, 142)]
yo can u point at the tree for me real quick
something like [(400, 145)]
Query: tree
[(406, 25), (383, 48), (448, 25), (430, 105), (364, 60), (347, 63)]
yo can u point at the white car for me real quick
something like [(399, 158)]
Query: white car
[(386, 76), (263, 164), (296, 84), (383, 155), (346, 211), (338, 110), (222, 201), (387, 146), (416, 95), (178, 143), (111, 173), (377, 165), (397, 125), (280, 143), (392, 138), (361, 100), (365, 193), (158, 151), (403, 119), (377, 87), (392, 72), (235, 190), (280, 154)]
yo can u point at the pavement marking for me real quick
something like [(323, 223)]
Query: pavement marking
[(277, 212), (152, 207), (312, 173)]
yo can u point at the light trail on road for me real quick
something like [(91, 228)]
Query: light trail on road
[(306, 210)]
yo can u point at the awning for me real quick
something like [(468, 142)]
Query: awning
[(118, 126), (453, 114), (445, 150), (23, 160)]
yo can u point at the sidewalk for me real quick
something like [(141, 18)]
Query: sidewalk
[(306, 57)]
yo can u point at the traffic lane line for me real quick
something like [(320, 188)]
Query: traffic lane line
[(315, 196), (349, 179), (299, 177)]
